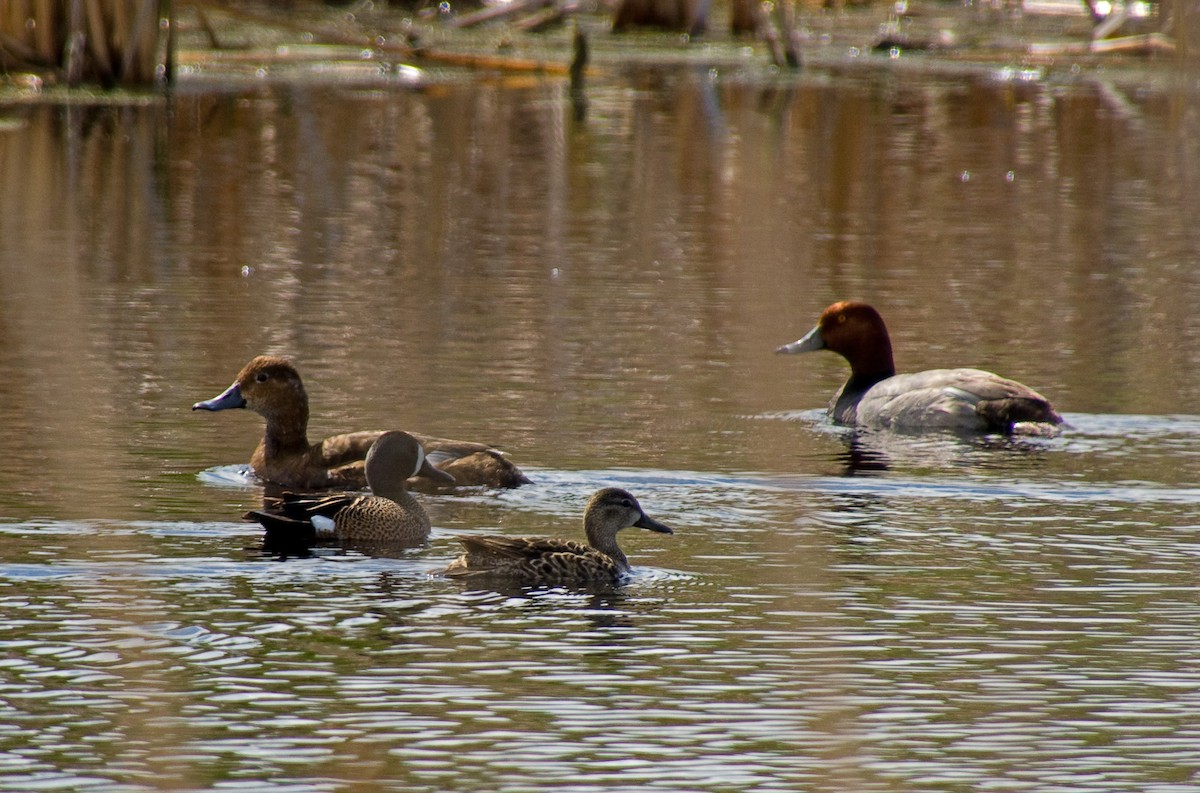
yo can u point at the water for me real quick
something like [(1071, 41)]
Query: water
[(602, 298)]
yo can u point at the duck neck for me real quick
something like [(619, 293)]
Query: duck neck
[(867, 368), (871, 363), (605, 541), (859, 383), (287, 432), (396, 491)]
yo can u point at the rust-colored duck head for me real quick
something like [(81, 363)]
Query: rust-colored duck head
[(854, 331)]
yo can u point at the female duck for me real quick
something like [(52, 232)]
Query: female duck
[(875, 396), (271, 387), (554, 561), (390, 516)]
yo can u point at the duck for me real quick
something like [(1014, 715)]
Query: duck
[(271, 387), (875, 397), (388, 516), (537, 560)]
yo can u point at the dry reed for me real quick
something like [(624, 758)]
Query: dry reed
[(111, 42)]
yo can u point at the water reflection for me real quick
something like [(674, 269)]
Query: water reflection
[(839, 611), (604, 605), (863, 458)]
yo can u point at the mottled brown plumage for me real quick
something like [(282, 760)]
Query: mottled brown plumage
[(555, 561), (271, 387), (390, 516)]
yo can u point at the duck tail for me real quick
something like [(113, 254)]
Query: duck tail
[(1017, 414), (284, 535)]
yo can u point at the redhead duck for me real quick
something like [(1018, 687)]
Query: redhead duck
[(389, 516), (553, 561), (955, 399), (272, 388)]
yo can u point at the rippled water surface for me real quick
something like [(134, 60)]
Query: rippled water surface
[(601, 297)]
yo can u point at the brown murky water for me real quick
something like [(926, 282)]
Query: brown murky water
[(602, 297)]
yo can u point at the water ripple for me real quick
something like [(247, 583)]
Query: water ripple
[(909, 630)]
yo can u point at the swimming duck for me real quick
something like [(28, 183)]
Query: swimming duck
[(956, 399), (271, 387), (555, 561), (388, 516)]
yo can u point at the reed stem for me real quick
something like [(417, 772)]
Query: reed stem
[(111, 42)]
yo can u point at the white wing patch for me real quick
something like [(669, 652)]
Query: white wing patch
[(322, 524)]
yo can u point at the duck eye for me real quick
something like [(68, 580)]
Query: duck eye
[(841, 318), (627, 503), (262, 377)]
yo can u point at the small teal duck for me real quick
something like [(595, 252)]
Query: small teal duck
[(554, 561), (271, 387), (966, 400), (390, 516)]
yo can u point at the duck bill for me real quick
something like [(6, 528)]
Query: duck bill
[(810, 342), (230, 398), (647, 522), (434, 474)]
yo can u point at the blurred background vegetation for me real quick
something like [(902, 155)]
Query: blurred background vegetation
[(134, 42)]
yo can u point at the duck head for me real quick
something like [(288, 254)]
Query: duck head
[(269, 386), (394, 457), (855, 331), (613, 509)]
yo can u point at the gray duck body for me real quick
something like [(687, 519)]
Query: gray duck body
[(962, 399)]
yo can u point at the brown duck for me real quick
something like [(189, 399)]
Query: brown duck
[(389, 516), (554, 561), (271, 387)]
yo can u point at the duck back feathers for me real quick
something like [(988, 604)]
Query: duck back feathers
[(539, 559), (954, 399)]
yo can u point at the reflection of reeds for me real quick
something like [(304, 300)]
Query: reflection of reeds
[(107, 41)]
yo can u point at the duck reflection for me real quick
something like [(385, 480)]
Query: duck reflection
[(860, 458), (870, 452), (603, 604)]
